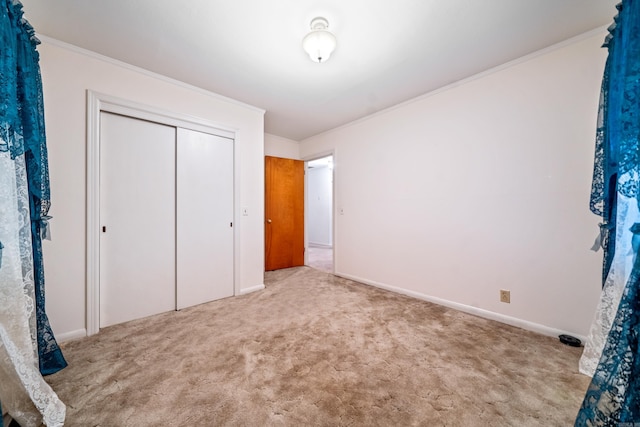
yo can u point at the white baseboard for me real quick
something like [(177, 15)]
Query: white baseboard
[(72, 335), (320, 245), (513, 321), (251, 289)]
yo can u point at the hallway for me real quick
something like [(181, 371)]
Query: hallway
[(321, 258)]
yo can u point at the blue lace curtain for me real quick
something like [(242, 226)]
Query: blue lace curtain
[(613, 397), (22, 132)]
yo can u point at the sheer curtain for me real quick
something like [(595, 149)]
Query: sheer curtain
[(611, 351), (27, 346), (23, 392)]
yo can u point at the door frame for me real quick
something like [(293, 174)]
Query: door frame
[(96, 103), (334, 197)]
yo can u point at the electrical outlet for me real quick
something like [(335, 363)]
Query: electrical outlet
[(505, 296)]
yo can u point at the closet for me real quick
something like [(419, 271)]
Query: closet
[(166, 212)]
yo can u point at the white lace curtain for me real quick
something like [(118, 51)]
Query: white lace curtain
[(24, 394), (627, 214)]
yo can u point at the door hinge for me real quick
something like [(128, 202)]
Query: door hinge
[(104, 228), (230, 224)]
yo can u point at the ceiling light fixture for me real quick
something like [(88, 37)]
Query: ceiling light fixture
[(319, 43)]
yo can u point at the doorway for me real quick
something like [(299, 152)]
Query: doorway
[(319, 214)]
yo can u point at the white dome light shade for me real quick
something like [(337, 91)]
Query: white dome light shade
[(319, 43)]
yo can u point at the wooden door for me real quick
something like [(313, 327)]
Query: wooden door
[(137, 218), (204, 218), (284, 213)]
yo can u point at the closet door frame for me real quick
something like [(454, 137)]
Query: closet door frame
[(97, 103)]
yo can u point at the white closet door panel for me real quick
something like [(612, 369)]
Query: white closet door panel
[(204, 216), (137, 207)]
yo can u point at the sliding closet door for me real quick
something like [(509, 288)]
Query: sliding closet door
[(204, 218), (137, 217)]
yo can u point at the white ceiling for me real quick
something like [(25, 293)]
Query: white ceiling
[(388, 51)]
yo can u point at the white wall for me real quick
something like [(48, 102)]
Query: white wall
[(67, 74), (320, 188), (277, 146), (478, 187)]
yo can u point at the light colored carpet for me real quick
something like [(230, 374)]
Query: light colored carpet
[(314, 349), (321, 258)]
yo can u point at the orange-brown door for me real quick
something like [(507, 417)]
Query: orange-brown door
[(284, 213)]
